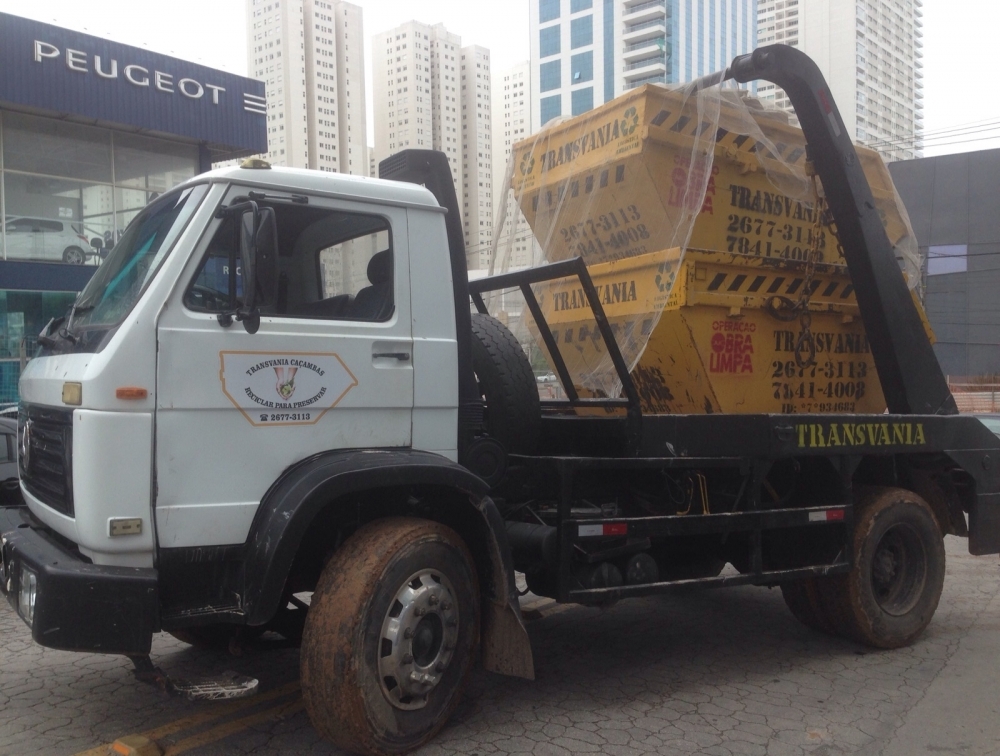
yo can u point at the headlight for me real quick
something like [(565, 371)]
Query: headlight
[(26, 596)]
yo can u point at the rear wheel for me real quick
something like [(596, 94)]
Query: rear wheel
[(390, 636), (892, 592), (74, 256), (507, 385)]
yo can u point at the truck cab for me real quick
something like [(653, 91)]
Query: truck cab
[(150, 420)]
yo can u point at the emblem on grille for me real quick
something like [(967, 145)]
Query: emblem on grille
[(25, 449)]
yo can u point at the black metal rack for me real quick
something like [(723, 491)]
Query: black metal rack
[(523, 279)]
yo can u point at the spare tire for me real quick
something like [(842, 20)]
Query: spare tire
[(507, 385)]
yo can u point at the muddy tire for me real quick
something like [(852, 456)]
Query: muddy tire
[(803, 599), (391, 636), (890, 595), (507, 384)]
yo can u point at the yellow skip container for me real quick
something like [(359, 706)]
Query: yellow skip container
[(696, 220)]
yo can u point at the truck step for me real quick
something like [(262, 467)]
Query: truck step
[(225, 685)]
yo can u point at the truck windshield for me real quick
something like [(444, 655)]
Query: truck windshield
[(134, 260)]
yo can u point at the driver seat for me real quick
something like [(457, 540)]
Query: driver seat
[(375, 302)]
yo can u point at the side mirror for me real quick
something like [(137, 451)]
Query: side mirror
[(259, 262), (249, 314)]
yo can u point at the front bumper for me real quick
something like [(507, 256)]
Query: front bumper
[(78, 606)]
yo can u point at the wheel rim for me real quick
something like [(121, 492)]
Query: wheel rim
[(418, 639), (74, 257), (899, 570)]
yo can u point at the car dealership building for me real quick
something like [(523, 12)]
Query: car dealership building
[(90, 131)]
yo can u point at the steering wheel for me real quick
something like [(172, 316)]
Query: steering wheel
[(204, 298)]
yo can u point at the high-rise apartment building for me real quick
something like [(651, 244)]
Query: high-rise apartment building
[(586, 52), (309, 53), (477, 155), (511, 124), (777, 25), (431, 93), (870, 53)]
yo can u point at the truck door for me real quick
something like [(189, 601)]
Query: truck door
[(329, 368)]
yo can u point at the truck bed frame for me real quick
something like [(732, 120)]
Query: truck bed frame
[(923, 437)]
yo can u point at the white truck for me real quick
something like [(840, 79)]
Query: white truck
[(274, 385)]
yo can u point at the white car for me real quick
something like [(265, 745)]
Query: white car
[(46, 240)]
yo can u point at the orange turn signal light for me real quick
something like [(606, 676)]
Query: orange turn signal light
[(131, 392)]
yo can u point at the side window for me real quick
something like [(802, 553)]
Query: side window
[(332, 265), (22, 226), (358, 273), (210, 290)]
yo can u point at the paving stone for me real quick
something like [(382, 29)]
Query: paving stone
[(725, 673)]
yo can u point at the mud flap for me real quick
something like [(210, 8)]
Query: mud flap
[(984, 525), (506, 647)]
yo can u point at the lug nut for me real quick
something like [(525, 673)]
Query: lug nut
[(445, 605), (432, 600), (408, 633), (419, 612), (407, 659)]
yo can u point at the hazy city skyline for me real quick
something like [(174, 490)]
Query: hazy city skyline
[(960, 113)]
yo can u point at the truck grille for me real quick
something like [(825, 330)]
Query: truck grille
[(44, 450)]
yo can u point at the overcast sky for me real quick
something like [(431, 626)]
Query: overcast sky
[(961, 104)]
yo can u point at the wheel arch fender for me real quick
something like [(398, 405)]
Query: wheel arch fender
[(306, 489)]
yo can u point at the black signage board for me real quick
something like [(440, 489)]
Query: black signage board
[(67, 72)]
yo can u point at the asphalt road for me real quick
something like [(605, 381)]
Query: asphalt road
[(723, 672)]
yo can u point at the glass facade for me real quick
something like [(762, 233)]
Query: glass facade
[(551, 107), (64, 186), (583, 100), (547, 10), (575, 6), (549, 76), (582, 68), (22, 316), (581, 32), (609, 50), (548, 41)]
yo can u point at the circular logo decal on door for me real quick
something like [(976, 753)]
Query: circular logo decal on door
[(284, 388)]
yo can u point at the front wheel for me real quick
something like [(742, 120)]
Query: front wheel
[(390, 636), (890, 595)]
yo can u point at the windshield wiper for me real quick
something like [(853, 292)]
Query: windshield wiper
[(43, 337), (66, 332)]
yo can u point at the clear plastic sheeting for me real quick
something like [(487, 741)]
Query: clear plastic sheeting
[(636, 183)]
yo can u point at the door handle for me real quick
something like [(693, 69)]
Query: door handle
[(401, 356)]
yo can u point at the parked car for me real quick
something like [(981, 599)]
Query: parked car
[(46, 240), (10, 492)]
